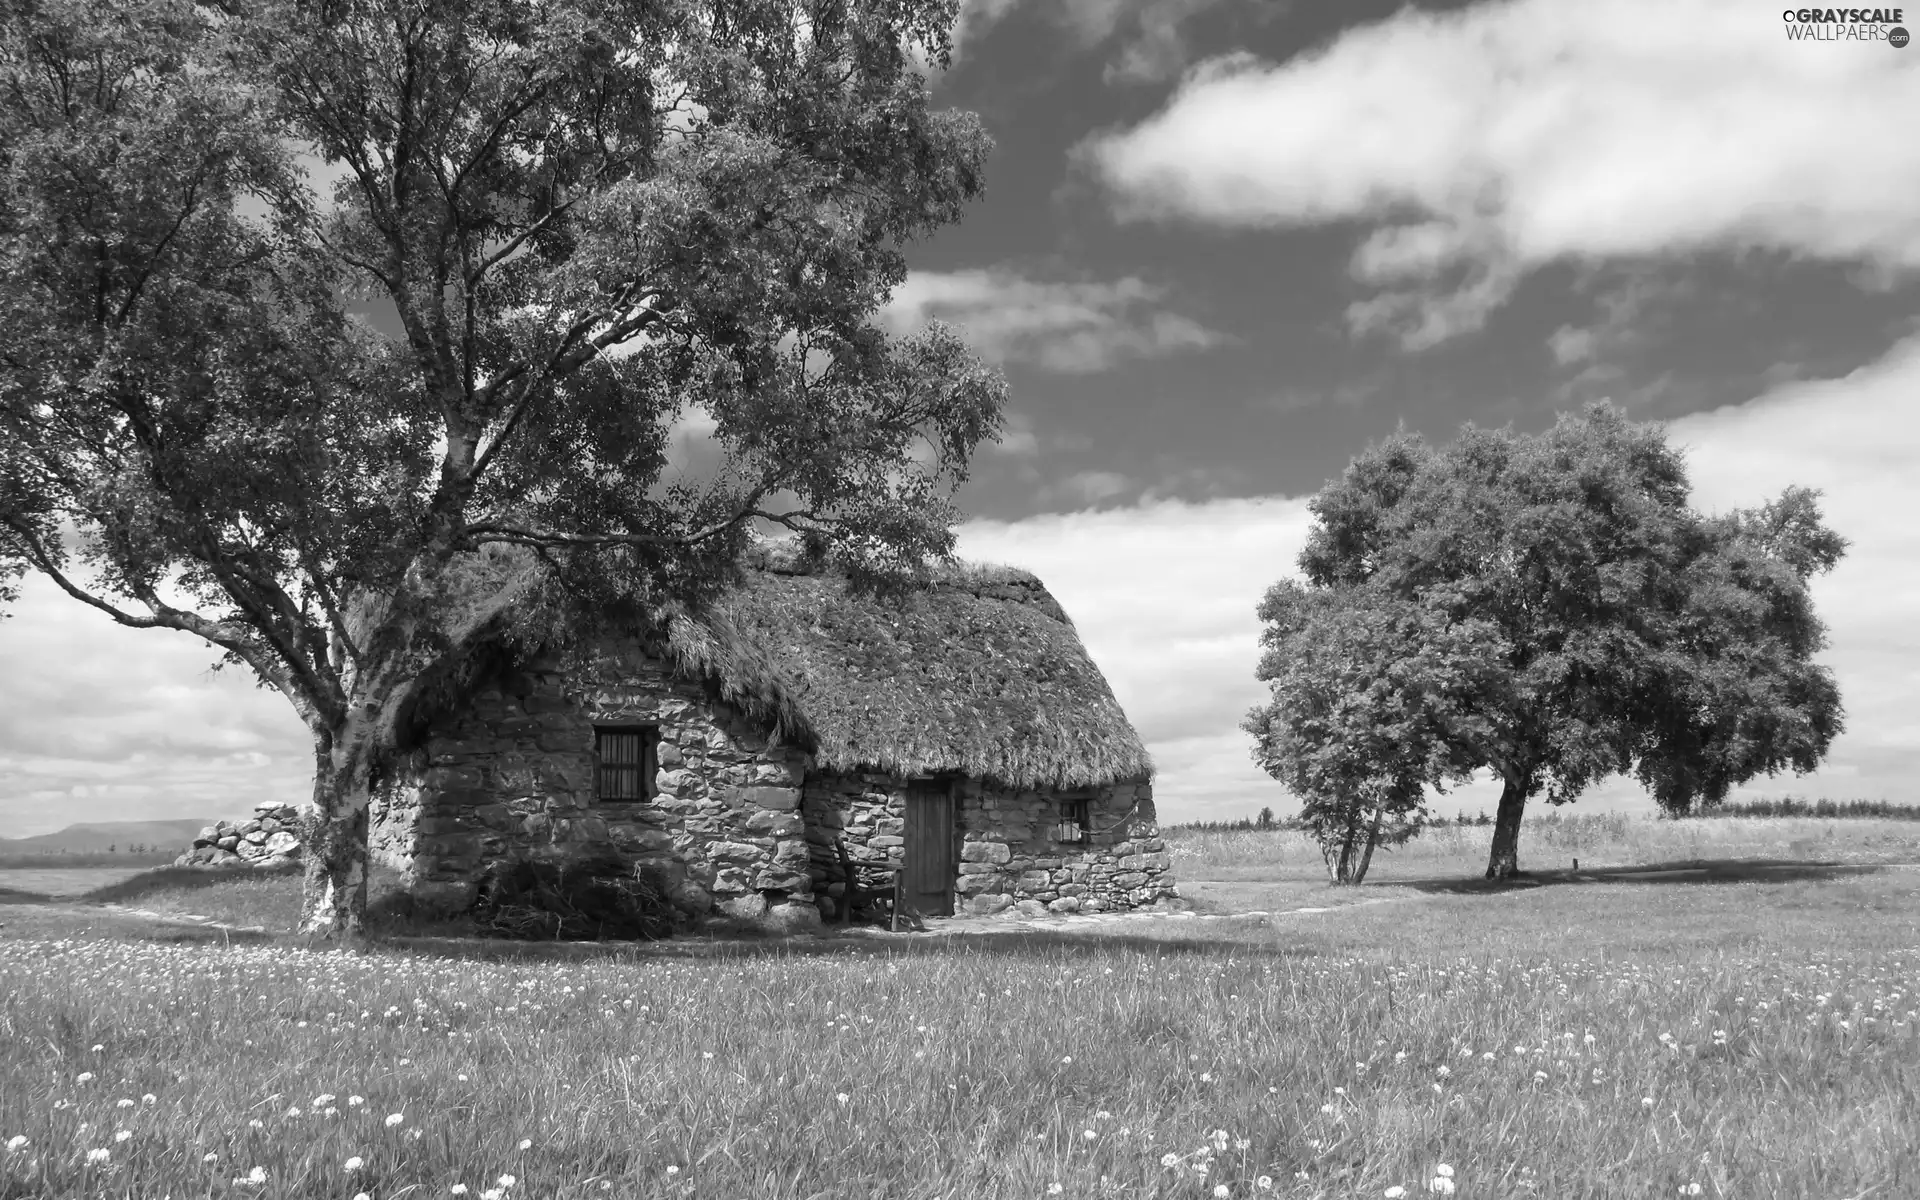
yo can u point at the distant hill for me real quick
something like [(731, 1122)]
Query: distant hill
[(94, 838)]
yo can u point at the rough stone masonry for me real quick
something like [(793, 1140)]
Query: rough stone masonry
[(269, 838)]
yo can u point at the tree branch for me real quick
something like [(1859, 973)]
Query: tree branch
[(797, 520), (560, 363), (518, 240), (224, 634)]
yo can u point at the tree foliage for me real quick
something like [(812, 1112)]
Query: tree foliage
[(594, 225), (1363, 687), (1568, 616)]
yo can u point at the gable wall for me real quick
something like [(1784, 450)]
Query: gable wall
[(512, 775)]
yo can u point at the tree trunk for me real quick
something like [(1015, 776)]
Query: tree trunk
[(1504, 861), (1366, 855), (1349, 847), (333, 903), (1346, 850)]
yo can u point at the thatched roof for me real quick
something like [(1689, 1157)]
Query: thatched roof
[(981, 674)]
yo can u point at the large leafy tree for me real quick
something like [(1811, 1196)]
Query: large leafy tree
[(1613, 628), (1366, 692), (588, 220)]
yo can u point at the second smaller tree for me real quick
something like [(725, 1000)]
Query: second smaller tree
[(1365, 693)]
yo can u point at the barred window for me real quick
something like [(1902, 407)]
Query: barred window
[(625, 759), (1075, 820)]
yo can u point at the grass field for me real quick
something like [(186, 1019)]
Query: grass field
[(1744, 1030), (64, 881)]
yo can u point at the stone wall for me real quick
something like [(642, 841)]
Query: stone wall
[(1010, 859), (512, 775), (868, 812), (269, 838)]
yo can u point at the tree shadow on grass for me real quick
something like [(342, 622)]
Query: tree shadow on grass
[(1018, 943), (181, 879), (1691, 871)]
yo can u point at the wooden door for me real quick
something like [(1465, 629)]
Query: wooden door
[(930, 849)]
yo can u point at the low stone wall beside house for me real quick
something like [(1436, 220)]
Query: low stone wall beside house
[(269, 838), (1118, 863)]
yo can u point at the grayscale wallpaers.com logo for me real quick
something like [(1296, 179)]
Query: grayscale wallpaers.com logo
[(1846, 25)]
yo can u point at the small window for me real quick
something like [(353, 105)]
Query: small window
[(1075, 821), (625, 759)]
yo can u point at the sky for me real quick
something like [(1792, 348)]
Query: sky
[(1225, 245)]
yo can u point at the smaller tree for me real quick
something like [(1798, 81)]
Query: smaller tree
[(1265, 819), (1364, 690), (1624, 631)]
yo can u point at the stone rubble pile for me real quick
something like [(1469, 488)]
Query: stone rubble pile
[(269, 838)]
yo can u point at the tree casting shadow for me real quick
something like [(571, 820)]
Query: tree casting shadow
[(1690, 871)]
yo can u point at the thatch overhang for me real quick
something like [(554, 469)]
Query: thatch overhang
[(980, 674)]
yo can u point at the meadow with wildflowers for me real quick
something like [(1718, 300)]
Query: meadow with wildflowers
[(1633, 1038)]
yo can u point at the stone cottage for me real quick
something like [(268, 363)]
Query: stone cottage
[(798, 729)]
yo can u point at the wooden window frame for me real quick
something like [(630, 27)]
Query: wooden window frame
[(630, 778), (1076, 820)]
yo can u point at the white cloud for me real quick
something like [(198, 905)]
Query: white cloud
[(1088, 487), (1061, 326), (1858, 440), (1571, 346), (1510, 135), (1164, 594), (102, 723)]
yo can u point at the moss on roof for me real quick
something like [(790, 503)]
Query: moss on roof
[(980, 673)]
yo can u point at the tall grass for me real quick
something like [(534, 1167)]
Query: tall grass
[(1826, 810), (257, 898), (1554, 839), (1784, 806), (1537, 1047)]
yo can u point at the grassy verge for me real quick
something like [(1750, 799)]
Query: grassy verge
[(1588, 1040), (1551, 841), (267, 900)]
